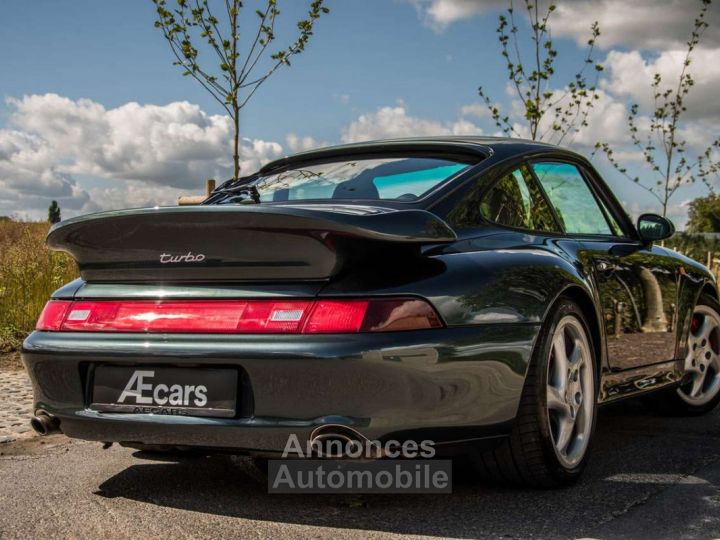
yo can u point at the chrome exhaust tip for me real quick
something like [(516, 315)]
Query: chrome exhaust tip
[(44, 423), (335, 441)]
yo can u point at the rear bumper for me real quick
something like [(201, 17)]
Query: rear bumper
[(446, 385)]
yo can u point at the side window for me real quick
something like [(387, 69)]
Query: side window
[(574, 203), (515, 200)]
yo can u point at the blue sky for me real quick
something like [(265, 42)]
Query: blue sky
[(374, 51), (372, 67)]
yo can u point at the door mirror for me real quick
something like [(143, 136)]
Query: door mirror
[(652, 227)]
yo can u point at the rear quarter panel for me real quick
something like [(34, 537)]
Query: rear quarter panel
[(500, 281)]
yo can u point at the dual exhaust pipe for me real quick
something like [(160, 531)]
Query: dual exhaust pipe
[(45, 423)]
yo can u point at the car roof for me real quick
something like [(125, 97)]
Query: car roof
[(472, 146)]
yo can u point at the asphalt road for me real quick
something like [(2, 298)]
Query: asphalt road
[(650, 477)]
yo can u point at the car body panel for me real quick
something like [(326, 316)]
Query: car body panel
[(468, 379), (638, 288)]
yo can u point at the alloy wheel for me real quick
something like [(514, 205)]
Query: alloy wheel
[(570, 391), (703, 359)]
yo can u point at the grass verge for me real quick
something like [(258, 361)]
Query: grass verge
[(29, 273)]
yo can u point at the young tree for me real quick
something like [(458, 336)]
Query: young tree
[(54, 212), (552, 110), (704, 215), (661, 143), (191, 25)]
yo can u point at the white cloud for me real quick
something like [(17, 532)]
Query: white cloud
[(133, 194), (150, 154), (439, 14), (175, 144), (393, 122), (30, 177), (606, 121), (630, 76), (677, 211), (302, 144), (173, 147), (647, 24), (478, 110)]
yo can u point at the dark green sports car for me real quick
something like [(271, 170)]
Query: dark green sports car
[(484, 294)]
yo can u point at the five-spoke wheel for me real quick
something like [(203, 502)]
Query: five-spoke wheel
[(550, 441), (703, 358), (570, 391)]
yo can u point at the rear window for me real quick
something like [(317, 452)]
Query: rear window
[(394, 178)]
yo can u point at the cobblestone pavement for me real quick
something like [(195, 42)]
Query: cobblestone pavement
[(16, 401)]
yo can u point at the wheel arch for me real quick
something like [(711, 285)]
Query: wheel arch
[(709, 289), (583, 299)]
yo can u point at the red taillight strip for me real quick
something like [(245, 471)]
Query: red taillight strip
[(53, 315), (336, 316), (239, 316)]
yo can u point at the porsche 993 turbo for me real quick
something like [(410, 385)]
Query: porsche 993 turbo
[(485, 294)]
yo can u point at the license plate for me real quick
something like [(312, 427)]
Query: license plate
[(161, 390)]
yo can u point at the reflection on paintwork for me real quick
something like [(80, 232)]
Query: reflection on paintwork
[(496, 315), (619, 385), (638, 290)]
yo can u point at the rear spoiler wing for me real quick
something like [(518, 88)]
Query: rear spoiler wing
[(237, 242)]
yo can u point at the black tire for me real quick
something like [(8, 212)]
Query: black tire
[(669, 401), (528, 457)]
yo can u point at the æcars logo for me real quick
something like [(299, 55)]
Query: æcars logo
[(176, 395)]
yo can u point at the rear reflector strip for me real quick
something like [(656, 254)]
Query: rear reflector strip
[(239, 316)]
